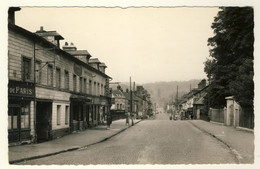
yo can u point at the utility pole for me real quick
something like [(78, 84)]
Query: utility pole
[(177, 99)]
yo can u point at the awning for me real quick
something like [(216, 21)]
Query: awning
[(79, 98)]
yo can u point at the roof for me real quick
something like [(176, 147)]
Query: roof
[(117, 93), (78, 52), (47, 44), (200, 101), (94, 60), (49, 33), (127, 95), (102, 65), (200, 90)]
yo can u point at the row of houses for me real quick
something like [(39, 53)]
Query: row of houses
[(192, 103), (192, 106), (52, 90), (141, 104)]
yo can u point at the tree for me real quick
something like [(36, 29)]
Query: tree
[(230, 66)]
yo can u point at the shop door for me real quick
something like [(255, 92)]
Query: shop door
[(43, 121), (14, 130)]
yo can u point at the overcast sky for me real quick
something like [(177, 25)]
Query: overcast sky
[(148, 44)]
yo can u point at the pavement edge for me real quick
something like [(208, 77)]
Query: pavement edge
[(71, 149)]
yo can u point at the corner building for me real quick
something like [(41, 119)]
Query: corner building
[(51, 91)]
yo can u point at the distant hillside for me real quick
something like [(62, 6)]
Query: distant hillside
[(165, 92)]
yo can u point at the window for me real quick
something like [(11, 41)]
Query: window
[(120, 106), (67, 111), (74, 83), (58, 77), (117, 107), (98, 89), (13, 113), (102, 89), (66, 79), (18, 116), (90, 87), (95, 89), (80, 85), (38, 72), (50, 75), (58, 114), (25, 111), (26, 69), (85, 86)]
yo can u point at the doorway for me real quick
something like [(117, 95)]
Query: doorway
[(43, 121)]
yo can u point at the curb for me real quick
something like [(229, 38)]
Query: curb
[(233, 151), (238, 128), (70, 149)]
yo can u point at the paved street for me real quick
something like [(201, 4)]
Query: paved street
[(158, 141)]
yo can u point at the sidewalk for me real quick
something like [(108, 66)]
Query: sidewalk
[(66, 143), (240, 142)]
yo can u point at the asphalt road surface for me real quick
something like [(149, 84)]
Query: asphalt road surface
[(158, 141)]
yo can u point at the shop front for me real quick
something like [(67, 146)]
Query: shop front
[(79, 112), (20, 109)]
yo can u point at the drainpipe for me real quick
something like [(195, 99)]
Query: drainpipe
[(34, 97)]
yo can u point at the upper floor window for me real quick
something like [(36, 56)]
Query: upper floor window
[(50, 75), (98, 89), (90, 87), (80, 84), (26, 69), (95, 88), (74, 83), (38, 72), (102, 89), (85, 86), (66, 79), (58, 78)]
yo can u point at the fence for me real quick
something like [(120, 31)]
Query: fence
[(217, 115)]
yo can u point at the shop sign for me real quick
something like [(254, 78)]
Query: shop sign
[(21, 90), (77, 70)]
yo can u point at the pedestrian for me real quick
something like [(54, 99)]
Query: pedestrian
[(132, 118), (127, 118), (109, 120)]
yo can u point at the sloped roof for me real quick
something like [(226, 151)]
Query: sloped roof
[(200, 101), (78, 52), (127, 95), (42, 40), (117, 93), (49, 33), (94, 60), (102, 65)]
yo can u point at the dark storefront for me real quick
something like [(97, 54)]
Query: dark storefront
[(43, 120), (20, 99), (79, 109)]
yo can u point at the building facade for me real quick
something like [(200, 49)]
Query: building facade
[(51, 91)]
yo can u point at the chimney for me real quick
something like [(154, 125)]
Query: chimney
[(68, 47), (11, 14), (51, 36)]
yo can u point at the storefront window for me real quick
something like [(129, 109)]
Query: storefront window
[(13, 113), (25, 110), (67, 115)]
